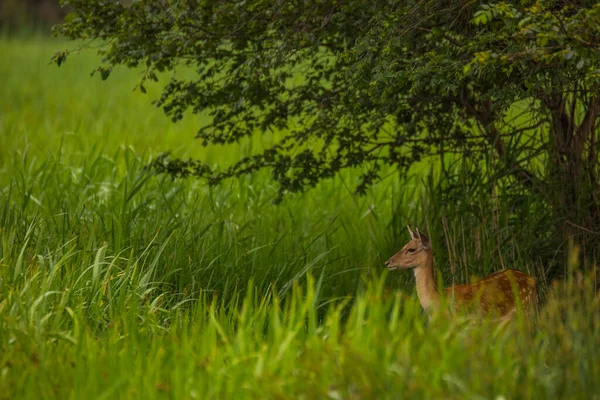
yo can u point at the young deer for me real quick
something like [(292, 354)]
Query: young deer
[(492, 294)]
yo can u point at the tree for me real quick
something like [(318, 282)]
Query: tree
[(375, 83)]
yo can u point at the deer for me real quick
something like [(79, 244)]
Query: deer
[(494, 294)]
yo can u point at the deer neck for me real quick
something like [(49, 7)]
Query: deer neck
[(426, 288)]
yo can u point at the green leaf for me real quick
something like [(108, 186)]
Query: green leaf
[(105, 73)]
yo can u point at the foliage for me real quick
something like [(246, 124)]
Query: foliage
[(257, 348), (511, 87), (117, 283)]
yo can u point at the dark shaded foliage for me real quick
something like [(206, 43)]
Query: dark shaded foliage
[(512, 89)]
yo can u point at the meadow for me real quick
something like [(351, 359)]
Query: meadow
[(116, 282)]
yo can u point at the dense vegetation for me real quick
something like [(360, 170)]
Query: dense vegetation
[(510, 88), (116, 282)]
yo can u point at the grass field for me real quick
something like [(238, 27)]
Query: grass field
[(116, 283)]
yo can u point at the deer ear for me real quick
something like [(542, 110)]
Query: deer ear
[(412, 234), (425, 240)]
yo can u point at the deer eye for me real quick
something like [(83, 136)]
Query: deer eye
[(410, 251)]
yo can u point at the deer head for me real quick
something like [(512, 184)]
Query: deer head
[(414, 254)]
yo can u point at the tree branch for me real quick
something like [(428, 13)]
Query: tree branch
[(484, 117), (589, 121)]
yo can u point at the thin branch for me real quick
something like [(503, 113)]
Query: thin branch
[(573, 106), (484, 117), (589, 121)]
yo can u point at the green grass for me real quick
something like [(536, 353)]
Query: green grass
[(116, 283)]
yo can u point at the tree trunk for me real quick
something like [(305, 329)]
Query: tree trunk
[(572, 169)]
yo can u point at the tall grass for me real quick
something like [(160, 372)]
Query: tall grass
[(117, 283)]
